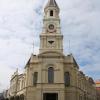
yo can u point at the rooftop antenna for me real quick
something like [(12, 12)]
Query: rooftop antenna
[(33, 46), (69, 46)]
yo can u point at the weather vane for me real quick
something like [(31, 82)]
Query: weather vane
[(69, 46), (33, 46)]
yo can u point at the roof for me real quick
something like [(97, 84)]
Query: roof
[(52, 3), (97, 81), (73, 60)]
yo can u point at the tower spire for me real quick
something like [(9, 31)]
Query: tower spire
[(51, 3)]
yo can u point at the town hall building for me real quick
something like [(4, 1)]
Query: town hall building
[(51, 75)]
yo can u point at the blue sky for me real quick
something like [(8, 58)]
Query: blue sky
[(21, 24)]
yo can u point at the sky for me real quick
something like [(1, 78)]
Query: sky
[(21, 24)]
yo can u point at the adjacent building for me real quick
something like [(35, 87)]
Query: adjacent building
[(51, 75), (1, 96), (98, 89)]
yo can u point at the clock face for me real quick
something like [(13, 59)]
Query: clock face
[(51, 26)]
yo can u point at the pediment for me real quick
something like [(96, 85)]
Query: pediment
[(51, 54)]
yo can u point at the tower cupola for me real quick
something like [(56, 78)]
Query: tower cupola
[(51, 9)]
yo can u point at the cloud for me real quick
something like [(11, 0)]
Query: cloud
[(21, 24), (5, 75)]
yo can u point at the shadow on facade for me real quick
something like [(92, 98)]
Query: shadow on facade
[(21, 97)]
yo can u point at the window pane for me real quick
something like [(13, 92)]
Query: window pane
[(67, 78), (51, 13), (35, 76), (50, 75)]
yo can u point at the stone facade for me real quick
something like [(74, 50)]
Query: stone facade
[(51, 75)]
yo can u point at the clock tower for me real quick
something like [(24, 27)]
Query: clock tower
[(51, 38)]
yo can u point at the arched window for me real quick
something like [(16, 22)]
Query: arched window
[(50, 75), (51, 12), (67, 78), (35, 77)]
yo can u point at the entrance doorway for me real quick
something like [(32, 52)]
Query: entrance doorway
[(50, 96)]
